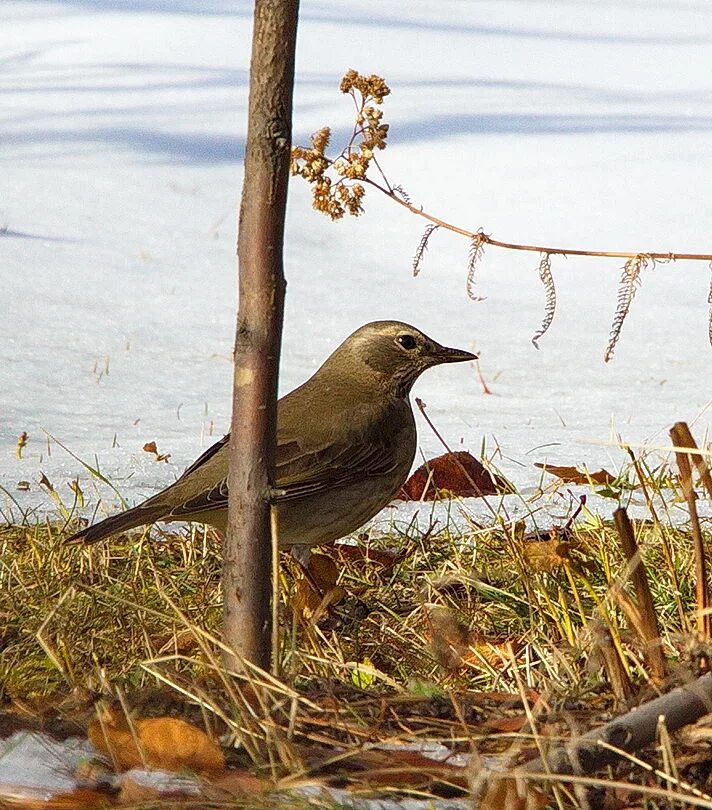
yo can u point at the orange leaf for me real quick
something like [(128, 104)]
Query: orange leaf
[(79, 799), (151, 447), (546, 555), (166, 743)]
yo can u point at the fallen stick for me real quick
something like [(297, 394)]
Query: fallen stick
[(629, 732)]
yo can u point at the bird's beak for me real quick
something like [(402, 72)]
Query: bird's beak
[(443, 354)]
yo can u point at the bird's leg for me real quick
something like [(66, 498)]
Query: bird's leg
[(302, 554)]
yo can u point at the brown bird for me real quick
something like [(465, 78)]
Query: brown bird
[(346, 441)]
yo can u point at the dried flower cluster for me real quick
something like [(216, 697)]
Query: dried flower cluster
[(335, 183), (338, 187)]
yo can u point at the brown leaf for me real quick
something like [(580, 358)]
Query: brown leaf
[(364, 556), (508, 794), (309, 604), (135, 793), (505, 725), (457, 474), (572, 475), (395, 767), (454, 645), (323, 570), (237, 783), (151, 447), (167, 743), (545, 556)]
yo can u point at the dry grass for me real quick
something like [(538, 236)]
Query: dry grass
[(419, 649)]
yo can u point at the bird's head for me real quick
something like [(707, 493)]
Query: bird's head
[(395, 352)]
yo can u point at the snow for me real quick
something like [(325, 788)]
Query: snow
[(582, 125), (35, 766)]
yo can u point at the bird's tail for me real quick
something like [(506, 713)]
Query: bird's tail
[(130, 519)]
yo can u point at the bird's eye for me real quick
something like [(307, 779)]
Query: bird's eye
[(406, 341)]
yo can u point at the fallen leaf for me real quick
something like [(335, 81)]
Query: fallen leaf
[(393, 767), (457, 474), (80, 799), (509, 794), (323, 570), (454, 645), (137, 791), (505, 725), (572, 475), (165, 743), (545, 556), (237, 783), (365, 556), (151, 447), (310, 604)]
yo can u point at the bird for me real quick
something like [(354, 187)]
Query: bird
[(346, 441)]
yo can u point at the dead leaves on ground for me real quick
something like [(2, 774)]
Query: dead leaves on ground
[(458, 475), (455, 646), (546, 556), (164, 743), (151, 447), (316, 589), (572, 475)]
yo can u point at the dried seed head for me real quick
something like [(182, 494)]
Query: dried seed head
[(547, 279)]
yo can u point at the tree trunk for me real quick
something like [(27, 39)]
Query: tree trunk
[(247, 553)]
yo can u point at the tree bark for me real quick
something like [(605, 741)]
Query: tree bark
[(247, 553)]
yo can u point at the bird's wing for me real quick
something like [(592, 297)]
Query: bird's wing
[(300, 472)]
